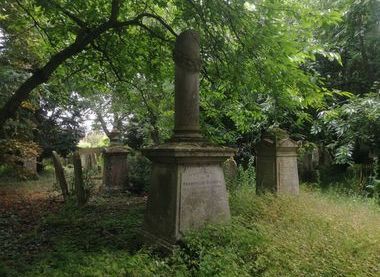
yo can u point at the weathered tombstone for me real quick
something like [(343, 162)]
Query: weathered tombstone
[(88, 157), (30, 164), (230, 168), (187, 184), (60, 175), (115, 171), (78, 180), (276, 164)]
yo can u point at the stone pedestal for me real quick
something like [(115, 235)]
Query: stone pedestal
[(187, 185), (115, 171), (187, 190), (276, 165)]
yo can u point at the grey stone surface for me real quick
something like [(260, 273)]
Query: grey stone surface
[(30, 164), (60, 175), (230, 168), (78, 180), (187, 185), (187, 67), (115, 169), (276, 165)]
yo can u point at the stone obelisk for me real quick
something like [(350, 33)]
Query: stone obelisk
[(187, 185)]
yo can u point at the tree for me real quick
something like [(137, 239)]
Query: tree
[(80, 33), (254, 54)]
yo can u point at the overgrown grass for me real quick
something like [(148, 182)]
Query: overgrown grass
[(315, 234)]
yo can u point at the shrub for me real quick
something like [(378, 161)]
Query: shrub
[(139, 169)]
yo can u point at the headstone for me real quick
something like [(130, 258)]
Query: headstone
[(78, 180), (30, 164), (276, 164), (115, 171), (230, 168), (187, 184), (89, 157), (60, 175)]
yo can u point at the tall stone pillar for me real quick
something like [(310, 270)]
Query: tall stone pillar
[(115, 171), (187, 66), (187, 185), (276, 164)]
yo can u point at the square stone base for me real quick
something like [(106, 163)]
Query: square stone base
[(185, 195)]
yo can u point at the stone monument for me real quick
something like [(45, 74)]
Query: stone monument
[(115, 171), (187, 184), (276, 164)]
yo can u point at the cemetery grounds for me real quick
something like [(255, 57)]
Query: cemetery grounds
[(318, 233)]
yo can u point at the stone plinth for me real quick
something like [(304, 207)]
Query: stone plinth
[(276, 165), (187, 190), (115, 171)]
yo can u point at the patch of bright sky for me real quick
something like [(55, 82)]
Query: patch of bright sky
[(250, 6), (2, 38)]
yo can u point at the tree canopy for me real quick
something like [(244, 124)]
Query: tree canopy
[(265, 63)]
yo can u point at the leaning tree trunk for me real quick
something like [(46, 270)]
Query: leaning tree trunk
[(78, 180), (60, 175)]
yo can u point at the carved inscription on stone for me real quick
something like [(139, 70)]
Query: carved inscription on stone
[(202, 197)]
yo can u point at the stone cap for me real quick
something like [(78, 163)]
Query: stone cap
[(283, 147), (188, 152), (116, 150)]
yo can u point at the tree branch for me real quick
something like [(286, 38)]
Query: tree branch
[(84, 38)]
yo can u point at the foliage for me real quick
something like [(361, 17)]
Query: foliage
[(255, 57), (356, 39), (139, 172), (13, 154), (313, 234), (245, 177), (94, 139), (356, 122)]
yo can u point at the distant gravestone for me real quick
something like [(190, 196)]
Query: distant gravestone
[(30, 164), (230, 168), (276, 165), (60, 175), (187, 185), (89, 157), (78, 180), (115, 170)]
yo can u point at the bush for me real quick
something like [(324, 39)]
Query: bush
[(13, 153), (245, 177), (139, 169)]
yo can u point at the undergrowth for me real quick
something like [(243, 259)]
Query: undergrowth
[(315, 234)]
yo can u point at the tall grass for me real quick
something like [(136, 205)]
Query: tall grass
[(313, 234)]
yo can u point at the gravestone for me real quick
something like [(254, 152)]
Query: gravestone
[(115, 171), (78, 180), (30, 164), (230, 169), (187, 184), (276, 164), (60, 175)]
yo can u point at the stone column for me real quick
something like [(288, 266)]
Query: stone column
[(187, 185), (115, 171), (276, 165), (187, 66)]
